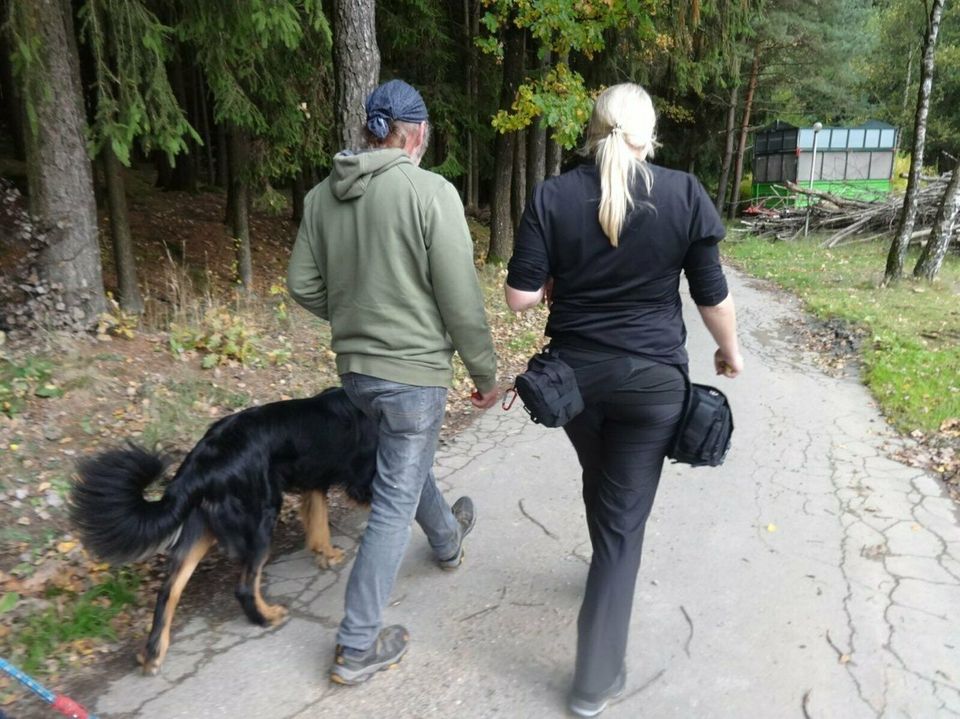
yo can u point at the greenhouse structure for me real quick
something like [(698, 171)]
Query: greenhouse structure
[(854, 162)]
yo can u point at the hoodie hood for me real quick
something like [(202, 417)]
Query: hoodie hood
[(352, 173)]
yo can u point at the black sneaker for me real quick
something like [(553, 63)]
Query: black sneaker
[(352, 667), (583, 707), (466, 517)]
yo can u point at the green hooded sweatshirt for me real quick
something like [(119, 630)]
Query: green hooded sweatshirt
[(384, 254)]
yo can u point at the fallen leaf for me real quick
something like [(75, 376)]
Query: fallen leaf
[(771, 527), (66, 546)]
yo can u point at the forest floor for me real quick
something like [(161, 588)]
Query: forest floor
[(159, 381)]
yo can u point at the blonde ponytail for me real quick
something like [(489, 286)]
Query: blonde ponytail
[(620, 137)]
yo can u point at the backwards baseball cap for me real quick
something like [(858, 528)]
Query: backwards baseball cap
[(392, 101)]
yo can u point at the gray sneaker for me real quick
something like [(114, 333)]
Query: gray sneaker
[(355, 667), (466, 517), (592, 706)]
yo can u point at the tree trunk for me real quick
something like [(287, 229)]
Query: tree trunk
[(299, 191), (554, 152), (554, 158), (12, 104), (501, 220), (931, 258), (906, 86), (223, 164), (126, 264), (202, 102), (356, 62), (238, 202), (744, 130), (183, 174), (536, 156), (518, 185), (721, 198), (908, 214), (471, 28), (59, 173), (537, 143)]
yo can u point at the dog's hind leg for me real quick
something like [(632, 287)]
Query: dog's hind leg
[(181, 568), (316, 527), (250, 597)]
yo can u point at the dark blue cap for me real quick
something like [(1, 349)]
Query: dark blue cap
[(394, 100)]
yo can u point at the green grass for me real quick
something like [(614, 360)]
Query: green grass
[(526, 342), (84, 616), (911, 354), (31, 376)]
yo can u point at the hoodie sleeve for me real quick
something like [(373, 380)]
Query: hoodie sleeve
[(304, 278), (456, 288)]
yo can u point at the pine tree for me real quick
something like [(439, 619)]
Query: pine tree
[(58, 169), (134, 103)]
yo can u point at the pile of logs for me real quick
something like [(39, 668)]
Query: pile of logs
[(844, 220)]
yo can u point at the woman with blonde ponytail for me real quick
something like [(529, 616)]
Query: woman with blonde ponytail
[(605, 244)]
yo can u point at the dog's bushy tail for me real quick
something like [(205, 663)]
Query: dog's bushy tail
[(108, 508)]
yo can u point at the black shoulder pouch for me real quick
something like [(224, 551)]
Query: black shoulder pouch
[(549, 390), (703, 437)]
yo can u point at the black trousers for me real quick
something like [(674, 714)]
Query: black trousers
[(632, 409)]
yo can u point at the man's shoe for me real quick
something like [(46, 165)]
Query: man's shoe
[(584, 707), (466, 517), (355, 667)]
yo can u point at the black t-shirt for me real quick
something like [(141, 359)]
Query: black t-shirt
[(625, 298)]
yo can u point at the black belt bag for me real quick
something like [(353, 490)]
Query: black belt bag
[(703, 437), (548, 390)]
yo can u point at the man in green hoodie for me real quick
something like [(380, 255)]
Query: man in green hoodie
[(384, 254)]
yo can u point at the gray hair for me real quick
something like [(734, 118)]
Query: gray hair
[(397, 136)]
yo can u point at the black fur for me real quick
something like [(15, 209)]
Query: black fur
[(230, 486)]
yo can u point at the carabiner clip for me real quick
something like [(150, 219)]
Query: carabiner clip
[(512, 395)]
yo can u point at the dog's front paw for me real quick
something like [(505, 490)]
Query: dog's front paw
[(330, 557), (275, 614), (150, 667)]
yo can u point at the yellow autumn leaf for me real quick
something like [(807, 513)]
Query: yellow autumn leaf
[(65, 546)]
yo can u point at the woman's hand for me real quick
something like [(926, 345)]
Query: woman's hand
[(728, 364)]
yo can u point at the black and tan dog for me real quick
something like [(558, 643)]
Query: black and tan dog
[(228, 490)]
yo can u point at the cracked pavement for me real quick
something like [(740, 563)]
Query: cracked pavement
[(810, 576)]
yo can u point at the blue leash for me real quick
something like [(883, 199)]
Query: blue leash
[(63, 704)]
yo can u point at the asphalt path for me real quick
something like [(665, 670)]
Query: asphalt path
[(809, 576)]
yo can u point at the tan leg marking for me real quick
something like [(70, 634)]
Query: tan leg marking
[(316, 527), (273, 613), (197, 552)]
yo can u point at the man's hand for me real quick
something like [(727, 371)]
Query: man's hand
[(484, 400)]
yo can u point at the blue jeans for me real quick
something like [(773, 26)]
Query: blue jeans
[(404, 488)]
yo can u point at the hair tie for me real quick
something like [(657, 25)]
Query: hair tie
[(378, 125), (616, 129)]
